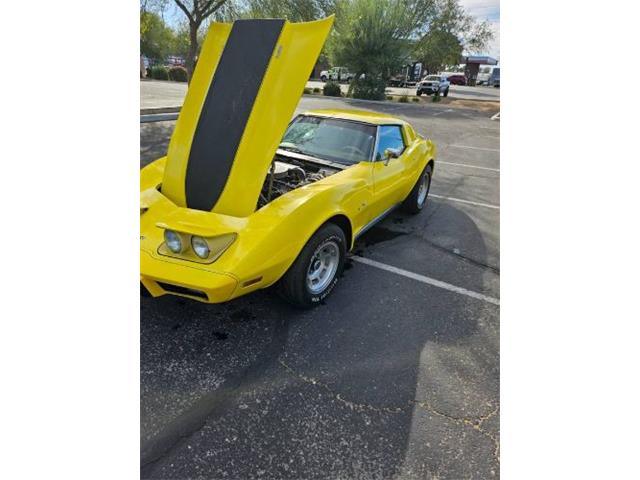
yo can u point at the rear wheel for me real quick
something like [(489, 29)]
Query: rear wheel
[(323, 78), (417, 199), (419, 92), (315, 272)]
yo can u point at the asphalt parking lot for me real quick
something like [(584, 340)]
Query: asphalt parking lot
[(396, 376)]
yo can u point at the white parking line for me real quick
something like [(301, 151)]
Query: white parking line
[(459, 200), (440, 113), (476, 148), (428, 280), (468, 166)]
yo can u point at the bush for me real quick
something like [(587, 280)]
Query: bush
[(307, 91), (331, 89), (316, 90), (158, 72), (435, 97), (178, 74), (403, 99), (389, 97), (369, 88), (415, 99)]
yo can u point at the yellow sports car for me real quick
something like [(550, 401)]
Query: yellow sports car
[(246, 198)]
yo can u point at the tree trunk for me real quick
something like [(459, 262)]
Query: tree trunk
[(193, 49)]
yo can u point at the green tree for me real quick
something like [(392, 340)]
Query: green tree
[(369, 38), (197, 11), (438, 49), (182, 41), (292, 10), (156, 38), (446, 31)]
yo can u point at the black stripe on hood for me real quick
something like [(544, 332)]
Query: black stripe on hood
[(227, 107)]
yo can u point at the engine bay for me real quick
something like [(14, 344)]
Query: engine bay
[(288, 173)]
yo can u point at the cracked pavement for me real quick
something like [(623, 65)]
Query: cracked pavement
[(391, 378)]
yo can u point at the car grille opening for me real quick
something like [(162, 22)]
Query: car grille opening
[(183, 290)]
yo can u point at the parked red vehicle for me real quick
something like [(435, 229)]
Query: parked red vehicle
[(457, 79)]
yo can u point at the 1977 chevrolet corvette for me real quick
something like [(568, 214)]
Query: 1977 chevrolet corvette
[(247, 198)]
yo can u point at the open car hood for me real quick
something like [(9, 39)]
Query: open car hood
[(248, 80)]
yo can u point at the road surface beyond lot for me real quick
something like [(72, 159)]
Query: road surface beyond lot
[(156, 94), (394, 377)]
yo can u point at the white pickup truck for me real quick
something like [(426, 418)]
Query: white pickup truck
[(432, 84), (337, 74)]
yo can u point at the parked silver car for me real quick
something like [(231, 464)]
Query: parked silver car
[(432, 84)]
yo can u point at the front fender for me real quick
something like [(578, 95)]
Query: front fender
[(275, 234)]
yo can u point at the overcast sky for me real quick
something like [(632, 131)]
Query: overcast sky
[(487, 10)]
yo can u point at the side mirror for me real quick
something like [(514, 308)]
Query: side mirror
[(390, 153)]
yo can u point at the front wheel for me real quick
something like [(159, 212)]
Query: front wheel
[(419, 92), (446, 92), (315, 272), (417, 199)]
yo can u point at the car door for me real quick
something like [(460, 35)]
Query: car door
[(389, 174)]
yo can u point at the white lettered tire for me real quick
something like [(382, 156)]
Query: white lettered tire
[(315, 273)]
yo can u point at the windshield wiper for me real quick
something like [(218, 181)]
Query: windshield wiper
[(291, 147)]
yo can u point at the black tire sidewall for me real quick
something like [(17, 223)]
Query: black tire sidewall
[(318, 298), (294, 283), (429, 171), (411, 204)]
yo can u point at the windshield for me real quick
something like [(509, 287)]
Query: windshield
[(332, 139), (432, 78)]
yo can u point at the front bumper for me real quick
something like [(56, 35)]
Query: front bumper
[(161, 277)]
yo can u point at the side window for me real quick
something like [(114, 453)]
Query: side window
[(390, 136)]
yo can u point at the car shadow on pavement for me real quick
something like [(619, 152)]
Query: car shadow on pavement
[(150, 147), (389, 378)]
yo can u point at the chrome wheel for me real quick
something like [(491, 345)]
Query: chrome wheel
[(323, 267), (423, 190)]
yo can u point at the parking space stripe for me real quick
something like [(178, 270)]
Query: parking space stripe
[(427, 280), (476, 148), (468, 166), (460, 200)]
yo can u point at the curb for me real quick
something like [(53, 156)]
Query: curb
[(157, 110), (158, 117)]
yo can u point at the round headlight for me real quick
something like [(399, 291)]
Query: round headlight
[(200, 246), (173, 241)]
